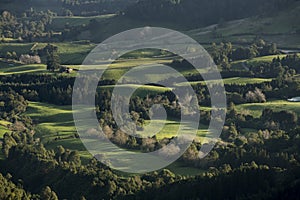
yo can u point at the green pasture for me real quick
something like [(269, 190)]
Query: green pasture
[(4, 127), (6, 69), (140, 90), (60, 22), (280, 28), (170, 128), (55, 122), (55, 126), (231, 81), (69, 52), (255, 109)]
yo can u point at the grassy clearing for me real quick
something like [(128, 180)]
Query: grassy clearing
[(4, 128), (244, 81), (60, 22), (264, 59), (240, 64), (255, 109), (280, 28), (234, 80), (69, 52), (120, 67), (55, 126), (19, 48), (6, 69), (170, 129), (141, 90), (56, 121)]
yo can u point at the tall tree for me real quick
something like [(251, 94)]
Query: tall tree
[(53, 60)]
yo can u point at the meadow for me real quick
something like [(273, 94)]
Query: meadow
[(140, 90), (280, 28), (57, 122), (255, 109), (69, 52), (60, 22), (55, 126), (231, 81), (7, 69), (4, 128)]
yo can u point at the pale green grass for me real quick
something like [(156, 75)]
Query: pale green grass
[(59, 22), (240, 64), (170, 129), (234, 80), (244, 81), (19, 48), (4, 128), (19, 69), (56, 121), (140, 90), (255, 109), (47, 113), (69, 52), (117, 69), (265, 58), (279, 28), (53, 122)]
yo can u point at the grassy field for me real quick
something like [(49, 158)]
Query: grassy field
[(60, 22), (171, 128), (69, 52), (55, 126), (57, 122), (72, 52), (3, 128), (256, 109), (234, 80), (264, 59), (238, 65), (6, 69), (244, 81), (141, 91), (280, 28)]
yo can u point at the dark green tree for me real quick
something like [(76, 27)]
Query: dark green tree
[(53, 60), (48, 194)]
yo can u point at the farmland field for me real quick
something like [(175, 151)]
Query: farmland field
[(255, 109), (56, 127), (19, 69), (234, 80), (59, 22), (69, 52)]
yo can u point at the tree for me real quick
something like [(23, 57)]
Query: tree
[(8, 55), (53, 60), (48, 194), (230, 134), (256, 96)]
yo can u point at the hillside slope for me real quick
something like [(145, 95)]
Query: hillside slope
[(279, 26), (282, 28)]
